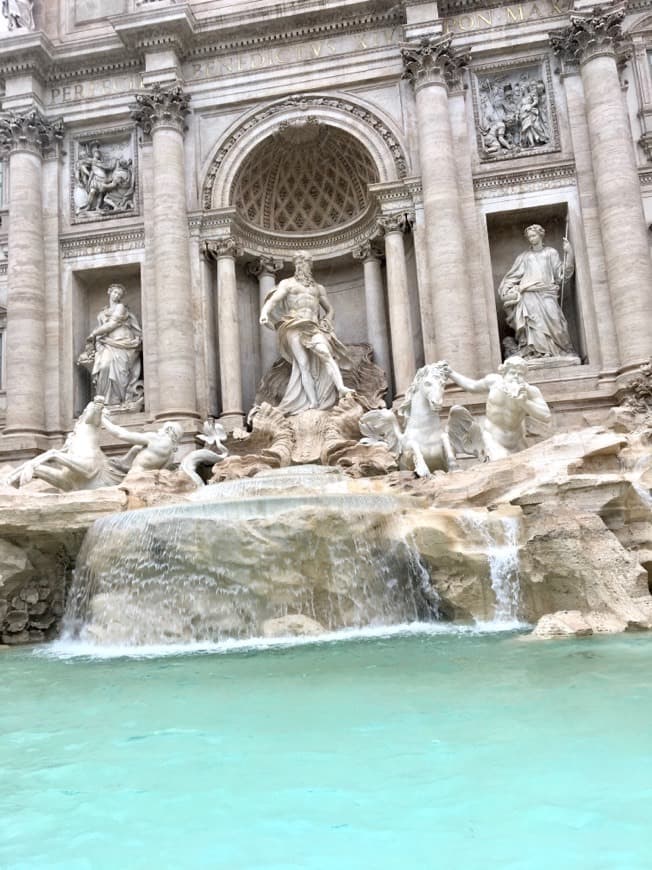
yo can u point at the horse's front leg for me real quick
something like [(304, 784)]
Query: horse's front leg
[(60, 478), (449, 453), (412, 449)]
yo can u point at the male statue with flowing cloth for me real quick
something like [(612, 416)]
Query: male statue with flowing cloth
[(306, 340)]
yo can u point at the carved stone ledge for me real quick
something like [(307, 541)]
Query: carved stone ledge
[(434, 61), (29, 131), (537, 178), (227, 247), (591, 34), (161, 107), (103, 243)]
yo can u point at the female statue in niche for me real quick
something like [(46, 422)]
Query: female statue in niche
[(112, 354), (530, 296)]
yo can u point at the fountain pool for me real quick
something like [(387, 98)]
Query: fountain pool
[(429, 747)]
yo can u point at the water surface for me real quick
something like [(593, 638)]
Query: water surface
[(425, 750)]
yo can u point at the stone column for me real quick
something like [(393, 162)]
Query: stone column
[(595, 301), (432, 65), (265, 270), (26, 136), (593, 40), (224, 252), (399, 302), (374, 295), (161, 113)]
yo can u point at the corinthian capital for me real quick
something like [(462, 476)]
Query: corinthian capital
[(226, 247), (367, 251), (264, 266), (29, 131), (161, 107), (399, 222), (434, 60), (590, 34)]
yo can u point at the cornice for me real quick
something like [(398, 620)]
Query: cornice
[(171, 27), (498, 183), (176, 27), (260, 36), (91, 244), (28, 53)]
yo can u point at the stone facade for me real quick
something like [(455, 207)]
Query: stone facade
[(187, 150)]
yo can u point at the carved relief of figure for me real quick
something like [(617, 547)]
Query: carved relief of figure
[(119, 192), (531, 118), (113, 354), (306, 340), (530, 296), (513, 115), (19, 13), (107, 183)]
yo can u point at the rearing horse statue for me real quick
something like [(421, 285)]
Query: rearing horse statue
[(423, 444), (79, 464)]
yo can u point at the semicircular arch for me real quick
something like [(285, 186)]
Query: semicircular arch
[(376, 134)]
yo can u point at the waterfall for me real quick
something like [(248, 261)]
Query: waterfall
[(217, 570), (502, 556)]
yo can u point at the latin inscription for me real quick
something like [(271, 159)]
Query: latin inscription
[(92, 89), (280, 55), (517, 13)]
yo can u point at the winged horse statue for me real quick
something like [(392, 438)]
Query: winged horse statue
[(415, 434)]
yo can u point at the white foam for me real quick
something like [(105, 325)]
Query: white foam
[(72, 649)]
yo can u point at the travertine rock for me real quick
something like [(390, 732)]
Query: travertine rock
[(295, 625)]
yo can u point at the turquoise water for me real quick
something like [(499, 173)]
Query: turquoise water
[(424, 751)]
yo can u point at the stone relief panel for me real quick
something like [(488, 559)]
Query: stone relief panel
[(104, 177), (514, 111)]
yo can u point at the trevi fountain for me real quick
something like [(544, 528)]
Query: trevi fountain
[(326, 449)]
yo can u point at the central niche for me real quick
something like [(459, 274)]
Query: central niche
[(305, 178)]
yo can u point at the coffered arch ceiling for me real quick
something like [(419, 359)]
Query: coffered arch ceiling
[(307, 177)]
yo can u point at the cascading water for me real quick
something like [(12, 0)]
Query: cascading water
[(244, 553), (502, 556)]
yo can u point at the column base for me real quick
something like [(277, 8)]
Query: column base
[(177, 415), (232, 420), (18, 445)]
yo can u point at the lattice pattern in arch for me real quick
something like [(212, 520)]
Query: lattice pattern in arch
[(305, 178)]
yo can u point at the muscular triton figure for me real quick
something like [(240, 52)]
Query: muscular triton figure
[(306, 340), (510, 402)]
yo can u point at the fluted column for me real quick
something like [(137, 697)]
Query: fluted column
[(265, 270), (224, 252), (161, 113), (432, 65), (403, 356), (26, 136), (593, 40), (374, 295)]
